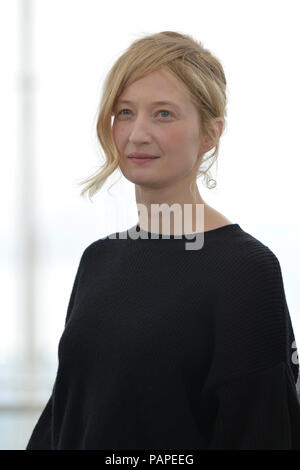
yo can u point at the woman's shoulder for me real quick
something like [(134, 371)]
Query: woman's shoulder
[(214, 219)]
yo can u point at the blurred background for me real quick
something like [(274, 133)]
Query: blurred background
[(55, 55)]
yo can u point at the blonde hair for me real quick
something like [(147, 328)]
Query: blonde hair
[(184, 59)]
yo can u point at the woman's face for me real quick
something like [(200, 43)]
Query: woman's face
[(170, 131)]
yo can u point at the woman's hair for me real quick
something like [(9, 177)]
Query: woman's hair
[(195, 69)]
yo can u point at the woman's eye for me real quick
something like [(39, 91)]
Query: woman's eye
[(160, 111), (120, 112), (164, 111)]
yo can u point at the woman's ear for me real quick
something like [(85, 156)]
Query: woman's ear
[(217, 126)]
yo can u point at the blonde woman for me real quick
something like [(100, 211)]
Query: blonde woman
[(168, 345)]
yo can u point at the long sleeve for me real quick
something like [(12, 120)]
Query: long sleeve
[(259, 411), (252, 380), (41, 437)]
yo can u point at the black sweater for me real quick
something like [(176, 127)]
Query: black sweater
[(170, 348)]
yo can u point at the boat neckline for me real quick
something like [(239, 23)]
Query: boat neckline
[(233, 227)]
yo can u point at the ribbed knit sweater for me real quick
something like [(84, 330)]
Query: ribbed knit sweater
[(167, 348)]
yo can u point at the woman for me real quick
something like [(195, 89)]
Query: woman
[(166, 347)]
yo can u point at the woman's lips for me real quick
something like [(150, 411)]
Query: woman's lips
[(142, 155), (142, 160)]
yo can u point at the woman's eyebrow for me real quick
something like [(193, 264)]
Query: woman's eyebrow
[(161, 103)]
